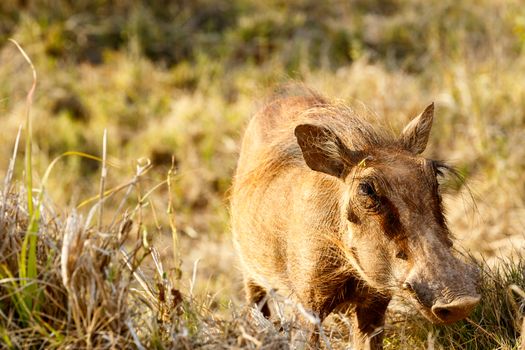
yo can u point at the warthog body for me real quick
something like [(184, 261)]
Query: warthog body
[(338, 214)]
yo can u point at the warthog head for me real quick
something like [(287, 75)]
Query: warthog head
[(398, 240)]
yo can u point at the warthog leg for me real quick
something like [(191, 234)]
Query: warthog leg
[(256, 295)]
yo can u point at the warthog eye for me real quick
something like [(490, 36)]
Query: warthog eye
[(366, 189), (367, 196), (401, 255)]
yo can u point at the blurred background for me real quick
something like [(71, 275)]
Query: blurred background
[(176, 81)]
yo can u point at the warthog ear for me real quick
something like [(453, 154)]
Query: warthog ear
[(323, 151), (414, 137)]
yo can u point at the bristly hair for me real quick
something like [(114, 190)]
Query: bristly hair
[(442, 167), (445, 170), (458, 181)]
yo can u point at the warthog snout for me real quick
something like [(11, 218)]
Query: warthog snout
[(456, 310), (444, 298)]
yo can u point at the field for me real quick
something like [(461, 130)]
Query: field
[(128, 145)]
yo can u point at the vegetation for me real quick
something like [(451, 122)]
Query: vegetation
[(157, 93)]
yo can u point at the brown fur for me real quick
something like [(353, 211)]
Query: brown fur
[(332, 211)]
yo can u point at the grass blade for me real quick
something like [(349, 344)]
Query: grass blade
[(28, 266), (103, 176), (29, 131)]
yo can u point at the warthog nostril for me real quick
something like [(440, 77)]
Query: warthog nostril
[(456, 310), (441, 313)]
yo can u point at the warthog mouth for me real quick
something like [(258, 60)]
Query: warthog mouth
[(442, 312), (441, 307)]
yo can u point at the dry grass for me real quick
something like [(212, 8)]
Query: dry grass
[(90, 290)]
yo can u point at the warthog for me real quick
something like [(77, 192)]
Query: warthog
[(338, 214)]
